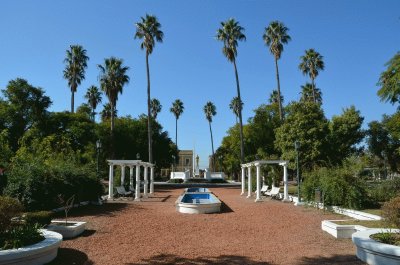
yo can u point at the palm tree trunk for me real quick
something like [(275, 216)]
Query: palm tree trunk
[(212, 146), (149, 131), (72, 101), (112, 132), (313, 89), (176, 133), (279, 90), (240, 114)]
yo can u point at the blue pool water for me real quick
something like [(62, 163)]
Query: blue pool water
[(197, 190), (198, 198)]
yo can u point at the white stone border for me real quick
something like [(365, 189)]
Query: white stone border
[(340, 231), (373, 252), (67, 231), (39, 253)]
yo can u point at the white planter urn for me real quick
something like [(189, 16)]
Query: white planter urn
[(73, 229), (373, 252), (36, 254)]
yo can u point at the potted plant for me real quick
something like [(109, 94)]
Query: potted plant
[(24, 242), (68, 229), (381, 246)]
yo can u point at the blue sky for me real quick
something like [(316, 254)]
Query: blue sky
[(356, 39)]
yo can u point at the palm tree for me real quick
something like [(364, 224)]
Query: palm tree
[(307, 94), (106, 112), (273, 97), (235, 105), (149, 30), (311, 63), (156, 107), (210, 110), (177, 109), (74, 72), (275, 36), (93, 95), (113, 77), (230, 33)]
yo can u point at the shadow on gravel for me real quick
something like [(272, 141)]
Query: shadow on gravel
[(221, 260), (333, 260), (107, 209), (225, 208), (67, 256)]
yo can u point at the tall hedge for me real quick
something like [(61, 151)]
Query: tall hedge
[(38, 185)]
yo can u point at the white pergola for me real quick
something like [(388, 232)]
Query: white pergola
[(131, 164), (258, 164)]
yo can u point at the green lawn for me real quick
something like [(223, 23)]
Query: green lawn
[(373, 211)]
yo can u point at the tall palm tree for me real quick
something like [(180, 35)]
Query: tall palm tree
[(308, 92), (275, 35), (235, 105), (74, 72), (311, 63), (93, 95), (177, 109), (274, 96), (113, 77), (106, 112), (149, 30), (230, 33), (210, 110), (156, 107)]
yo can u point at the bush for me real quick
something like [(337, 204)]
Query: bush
[(175, 181), (339, 186), (385, 190), (9, 208), (37, 185), (20, 236), (41, 218), (391, 212), (218, 181)]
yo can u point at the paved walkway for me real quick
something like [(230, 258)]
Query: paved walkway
[(152, 232)]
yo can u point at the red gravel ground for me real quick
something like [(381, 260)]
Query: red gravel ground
[(153, 232)]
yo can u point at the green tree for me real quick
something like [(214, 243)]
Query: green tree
[(310, 64), (308, 93), (306, 123), (85, 110), (105, 114), (235, 105), (345, 135), (75, 65), (210, 111), (177, 109), (113, 77), (149, 30), (93, 96), (230, 33), (156, 107), (389, 81), (275, 36), (23, 108), (274, 98)]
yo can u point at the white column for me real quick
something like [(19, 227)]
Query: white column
[(285, 183), (111, 182), (131, 176), (137, 189), (145, 182), (243, 180), (151, 179), (249, 178), (122, 175), (258, 195)]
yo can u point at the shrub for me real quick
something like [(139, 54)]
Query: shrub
[(41, 218), (391, 212), (385, 190), (218, 181), (175, 181), (38, 185), (9, 208), (20, 236), (340, 187)]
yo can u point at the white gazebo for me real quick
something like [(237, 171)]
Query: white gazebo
[(131, 164), (258, 164)]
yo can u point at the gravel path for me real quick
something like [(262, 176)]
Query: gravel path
[(152, 232)]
